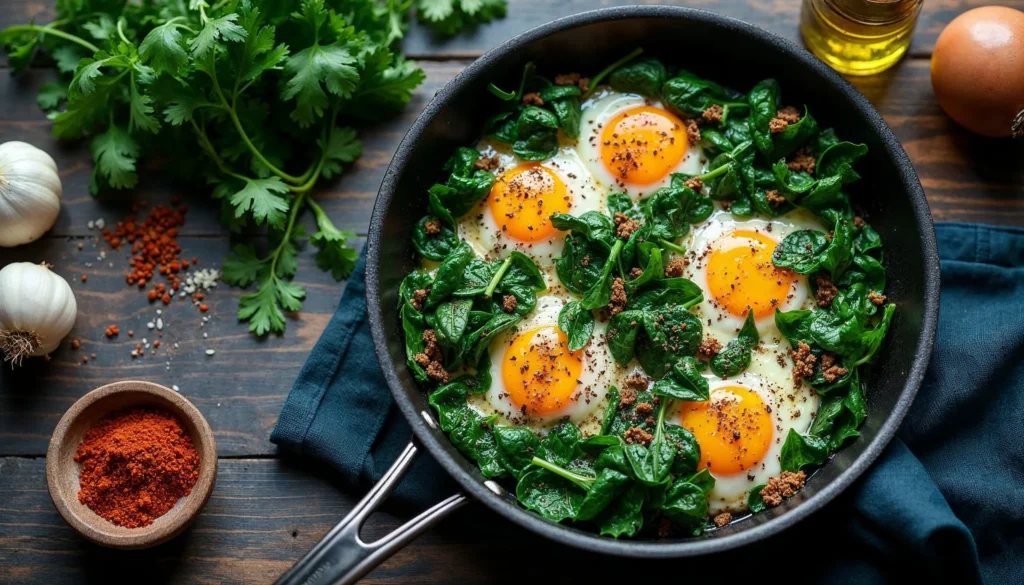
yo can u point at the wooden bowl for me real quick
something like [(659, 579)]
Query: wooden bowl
[(62, 471)]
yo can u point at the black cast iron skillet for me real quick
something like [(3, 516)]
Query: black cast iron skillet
[(725, 50)]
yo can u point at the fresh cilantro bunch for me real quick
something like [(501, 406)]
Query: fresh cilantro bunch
[(262, 90)]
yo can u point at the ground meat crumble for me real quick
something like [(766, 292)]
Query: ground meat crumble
[(774, 198), (712, 114), (574, 79), (431, 358), (723, 519), (618, 302), (509, 303), (487, 163), (635, 273), (803, 361), (694, 183), (433, 227), (637, 436), (709, 348), (532, 99), (644, 408), (785, 486), (802, 161), (675, 267), (859, 222), (825, 292), (624, 226), (636, 382), (627, 397), (419, 297), (692, 131), (876, 297), (829, 370)]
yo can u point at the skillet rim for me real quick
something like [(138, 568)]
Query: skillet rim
[(650, 549)]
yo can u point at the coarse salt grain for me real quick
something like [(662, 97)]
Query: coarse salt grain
[(175, 345), (211, 351), (204, 336), (175, 388), (151, 324), (159, 324)]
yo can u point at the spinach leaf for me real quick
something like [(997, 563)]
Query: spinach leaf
[(830, 408), (867, 240), (414, 281), (692, 95), (684, 382), (475, 278), (801, 251), (610, 410), (413, 327), (467, 430), (686, 505), (735, 357), (715, 140), (475, 344), (754, 502), (600, 294), (687, 450), (608, 484), (800, 451), (625, 516), (466, 186), (651, 464), (560, 443), (551, 92), (670, 211), (517, 269), (838, 159), (592, 224), (839, 329), (568, 111), (852, 416), (826, 138), (536, 134), (622, 203), (704, 480), (764, 101), (622, 333), (550, 495), (670, 291), (517, 447), (450, 403), (451, 320), (874, 337), (614, 458), (793, 137), (577, 324), (644, 77), (669, 333), (449, 274), (581, 264)]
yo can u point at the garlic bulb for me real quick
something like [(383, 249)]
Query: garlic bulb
[(37, 310), (30, 193)]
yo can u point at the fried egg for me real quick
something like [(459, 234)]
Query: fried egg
[(515, 215), (632, 144), (731, 260), (743, 425), (537, 382)]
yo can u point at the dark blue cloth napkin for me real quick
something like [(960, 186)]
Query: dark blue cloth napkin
[(945, 501)]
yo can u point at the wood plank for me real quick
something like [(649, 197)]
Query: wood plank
[(263, 516), (781, 17), (240, 402)]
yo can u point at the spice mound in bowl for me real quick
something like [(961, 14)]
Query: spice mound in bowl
[(136, 464), (131, 464)]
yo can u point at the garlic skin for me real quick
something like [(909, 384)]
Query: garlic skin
[(37, 310), (30, 192)]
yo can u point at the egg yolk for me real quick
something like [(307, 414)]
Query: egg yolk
[(743, 275), (539, 372), (524, 197), (642, 145), (733, 429)]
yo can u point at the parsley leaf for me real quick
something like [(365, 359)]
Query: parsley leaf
[(162, 48), (115, 153), (263, 198), (214, 29)]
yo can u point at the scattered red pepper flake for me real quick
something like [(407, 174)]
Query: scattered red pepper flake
[(75, 344), (85, 277), (111, 331), (204, 308)]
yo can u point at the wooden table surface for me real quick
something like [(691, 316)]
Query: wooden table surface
[(267, 511)]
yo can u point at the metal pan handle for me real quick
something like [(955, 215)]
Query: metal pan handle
[(342, 558)]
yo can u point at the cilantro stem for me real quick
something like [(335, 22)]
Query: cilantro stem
[(233, 115), (120, 31), (607, 71), (47, 30), (714, 173), (497, 277), (286, 236), (580, 480), (672, 246)]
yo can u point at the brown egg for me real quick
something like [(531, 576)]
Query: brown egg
[(978, 70)]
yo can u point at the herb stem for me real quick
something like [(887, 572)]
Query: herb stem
[(120, 31), (497, 277), (607, 71), (714, 173), (286, 236), (580, 480), (672, 246), (47, 30), (229, 108)]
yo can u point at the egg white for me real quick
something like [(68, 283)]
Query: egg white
[(792, 408), (480, 229), (597, 112), (715, 234)]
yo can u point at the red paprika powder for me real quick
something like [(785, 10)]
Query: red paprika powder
[(136, 464)]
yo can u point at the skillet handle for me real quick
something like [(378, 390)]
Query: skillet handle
[(342, 558)]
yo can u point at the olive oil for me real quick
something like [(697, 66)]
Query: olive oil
[(859, 37)]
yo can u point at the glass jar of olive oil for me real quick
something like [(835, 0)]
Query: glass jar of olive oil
[(859, 37)]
